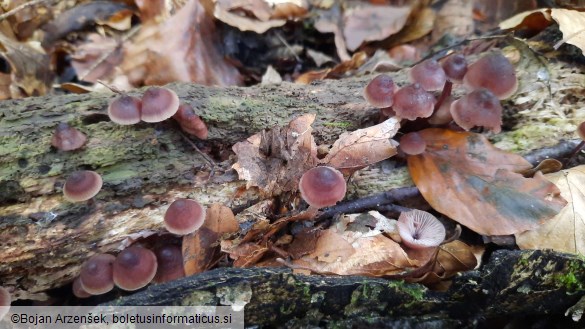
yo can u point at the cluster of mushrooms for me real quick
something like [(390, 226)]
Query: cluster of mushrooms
[(489, 79)]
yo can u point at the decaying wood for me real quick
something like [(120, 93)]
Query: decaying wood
[(44, 240)]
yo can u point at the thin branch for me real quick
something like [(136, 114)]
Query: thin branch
[(15, 10)]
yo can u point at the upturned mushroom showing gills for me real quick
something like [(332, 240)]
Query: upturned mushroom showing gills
[(125, 110), (428, 74), (170, 263), (67, 138), (478, 108), (96, 276), (82, 185), (322, 186), (380, 91), (412, 102), (134, 268), (5, 301), (159, 104), (184, 216), (493, 72), (419, 229)]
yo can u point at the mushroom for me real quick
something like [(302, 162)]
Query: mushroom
[(96, 276), (418, 229), (184, 216), (134, 268), (580, 146), (478, 108), (125, 110), (442, 114), (78, 290), (190, 122), (158, 104), (412, 102), (82, 185), (412, 144), (322, 186), (170, 263), (67, 138), (428, 74), (5, 301), (380, 91), (494, 72), (455, 67)]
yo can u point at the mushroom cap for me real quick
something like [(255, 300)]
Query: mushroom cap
[(159, 104), (322, 186), (455, 67), (170, 263), (134, 268), (82, 185), (478, 108), (96, 276), (412, 144), (418, 229), (581, 130), (5, 301), (412, 102), (67, 138), (79, 291), (380, 91), (125, 110), (184, 216), (494, 72), (190, 122), (429, 74)]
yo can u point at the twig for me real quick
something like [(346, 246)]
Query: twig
[(559, 151), (288, 47), (22, 7), (205, 156)]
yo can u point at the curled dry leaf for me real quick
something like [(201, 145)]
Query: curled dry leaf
[(572, 24), (201, 248), (363, 147), (244, 254), (469, 180), (274, 160), (88, 61), (566, 231)]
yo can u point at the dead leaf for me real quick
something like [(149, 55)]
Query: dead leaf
[(330, 21), (305, 242), (467, 179), (201, 248), (337, 72), (572, 24), (96, 58), (455, 19), (533, 20), (566, 231), (275, 160), (244, 254), (372, 23), (363, 147)]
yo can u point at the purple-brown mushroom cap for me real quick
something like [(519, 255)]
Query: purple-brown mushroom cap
[(322, 186), (184, 216), (96, 276), (125, 110), (79, 291), (190, 122), (170, 263), (67, 138), (159, 104), (429, 74), (134, 268), (493, 72), (419, 229), (455, 67), (412, 143), (380, 91), (581, 130), (478, 108), (82, 185), (412, 102), (5, 301)]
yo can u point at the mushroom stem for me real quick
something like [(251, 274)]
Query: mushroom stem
[(576, 151), (447, 88)]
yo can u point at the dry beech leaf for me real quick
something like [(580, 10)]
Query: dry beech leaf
[(332, 247), (534, 20), (572, 24), (469, 180), (363, 147), (87, 59), (566, 231), (337, 72), (258, 15), (201, 248), (244, 254), (330, 21), (274, 160), (372, 23), (304, 243)]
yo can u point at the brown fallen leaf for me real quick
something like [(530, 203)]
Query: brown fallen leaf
[(304, 243), (88, 58), (337, 72), (572, 24), (566, 231), (244, 254), (532, 20), (467, 179)]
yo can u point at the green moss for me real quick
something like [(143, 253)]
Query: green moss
[(573, 280), (340, 124), (416, 291)]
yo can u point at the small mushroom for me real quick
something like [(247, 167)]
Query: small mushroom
[(412, 144), (418, 229), (493, 72), (455, 67), (478, 108), (82, 185), (78, 290), (67, 138), (184, 216), (442, 115), (159, 104), (428, 74), (322, 186), (190, 122), (412, 102), (96, 276), (380, 91), (170, 263), (125, 110), (134, 268), (5, 301)]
